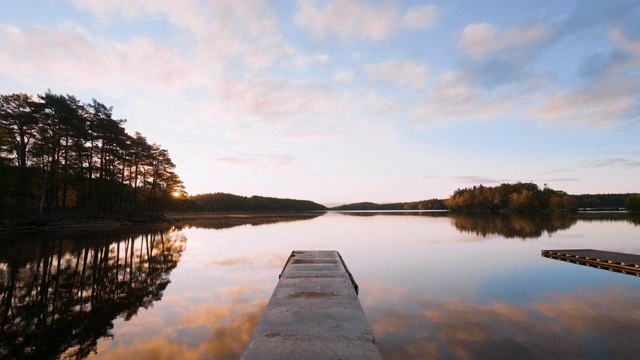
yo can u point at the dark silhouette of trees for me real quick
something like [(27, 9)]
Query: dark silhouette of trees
[(603, 201), (431, 204), (222, 202), (57, 153), (632, 202), (18, 126)]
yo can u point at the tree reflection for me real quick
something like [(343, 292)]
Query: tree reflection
[(513, 226), (425, 213), (219, 221), (62, 295)]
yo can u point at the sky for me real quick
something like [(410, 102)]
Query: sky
[(344, 101)]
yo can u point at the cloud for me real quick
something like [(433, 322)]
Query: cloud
[(495, 71), (600, 105), (226, 33), (287, 109), (404, 73), (456, 97), (619, 62), (343, 77), (499, 78), (484, 38), (276, 100), (556, 180), (304, 61), (68, 55), (477, 180), (346, 20), (624, 42), (603, 64), (259, 160), (625, 162), (421, 17), (589, 15)]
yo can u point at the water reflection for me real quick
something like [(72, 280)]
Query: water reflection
[(522, 226), (62, 295), (585, 325), (432, 284), (513, 226), (208, 331), (225, 221)]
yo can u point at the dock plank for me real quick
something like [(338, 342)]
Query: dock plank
[(621, 262), (314, 313)]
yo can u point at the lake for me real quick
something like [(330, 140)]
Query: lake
[(432, 285)]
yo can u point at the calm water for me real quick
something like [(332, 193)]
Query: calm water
[(432, 286)]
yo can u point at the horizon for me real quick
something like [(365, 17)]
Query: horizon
[(330, 205), (340, 101)]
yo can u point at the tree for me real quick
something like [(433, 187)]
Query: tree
[(58, 116), (632, 203), (19, 123)]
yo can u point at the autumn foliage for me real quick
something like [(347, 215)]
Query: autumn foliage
[(518, 197)]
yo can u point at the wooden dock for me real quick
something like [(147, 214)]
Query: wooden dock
[(620, 262), (314, 313)]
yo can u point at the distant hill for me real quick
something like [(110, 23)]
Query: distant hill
[(223, 202), (432, 204)]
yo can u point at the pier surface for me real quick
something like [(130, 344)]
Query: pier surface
[(314, 313), (621, 262)]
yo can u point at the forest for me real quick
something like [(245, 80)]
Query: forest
[(529, 198), (518, 197), (608, 201), (222, 202), (58, 153), (431, 204)]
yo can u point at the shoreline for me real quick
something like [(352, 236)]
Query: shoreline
[(77, 222)]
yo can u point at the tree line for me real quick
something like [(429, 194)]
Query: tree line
[(431, 204), (223, 202), (608, 201), (518, 197), (632, 202), (57, 153)]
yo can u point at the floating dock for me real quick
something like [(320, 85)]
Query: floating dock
[(620, 262), (314, 313)]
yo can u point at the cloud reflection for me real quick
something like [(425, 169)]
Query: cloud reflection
[(587, 324), (206, 332), (262, 260)]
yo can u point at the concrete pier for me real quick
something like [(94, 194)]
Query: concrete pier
[(314, 313), (609, 260)]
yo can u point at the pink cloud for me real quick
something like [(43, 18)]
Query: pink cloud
[(455, 97), (346, 19), (259, 160), (599, 106), (421, 17), (484, 38), (404, 73)]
